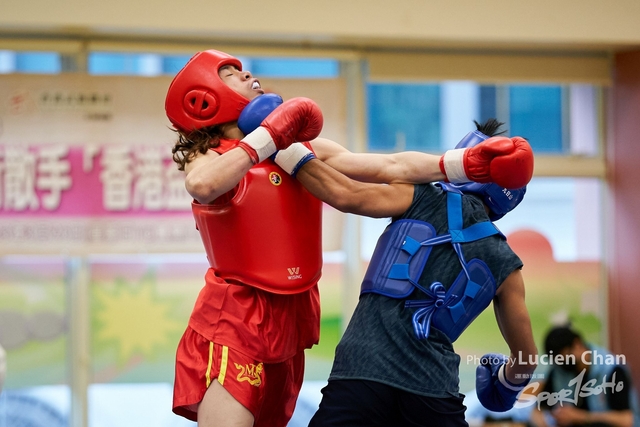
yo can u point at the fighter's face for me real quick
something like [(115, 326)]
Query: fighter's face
[(240, 81)]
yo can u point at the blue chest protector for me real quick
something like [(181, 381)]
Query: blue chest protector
[(401, 255)]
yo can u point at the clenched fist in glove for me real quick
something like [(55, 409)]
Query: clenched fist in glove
[(494, 390), (507, 162), (298, 119)]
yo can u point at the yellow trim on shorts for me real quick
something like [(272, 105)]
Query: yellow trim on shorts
[(223, 364), (208, 374)]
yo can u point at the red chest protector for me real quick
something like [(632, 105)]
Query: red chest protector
[(268, 234)]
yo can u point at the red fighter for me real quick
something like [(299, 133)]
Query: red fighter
[(240, 361)]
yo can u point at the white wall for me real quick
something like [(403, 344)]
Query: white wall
[(590, 24)]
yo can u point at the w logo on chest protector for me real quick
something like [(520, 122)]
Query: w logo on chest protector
[(294, 273)]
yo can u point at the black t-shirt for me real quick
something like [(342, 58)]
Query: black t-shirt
[(379, 344)]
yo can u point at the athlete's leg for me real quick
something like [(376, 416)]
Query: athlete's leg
[(215, 385), (355, 403), (283, 382), (426, 411), (219, 409)]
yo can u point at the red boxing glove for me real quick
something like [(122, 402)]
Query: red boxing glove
[(298, 119), (507, 162)]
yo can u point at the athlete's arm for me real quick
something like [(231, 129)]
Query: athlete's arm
[(210, 175), (407, 166), (507, 162), (514, 323), (351, 196)]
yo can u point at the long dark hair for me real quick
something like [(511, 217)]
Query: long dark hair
[(190, 144)]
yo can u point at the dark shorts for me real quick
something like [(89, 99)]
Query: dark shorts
[(353, 403)]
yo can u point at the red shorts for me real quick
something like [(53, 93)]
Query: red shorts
[(268, 391)]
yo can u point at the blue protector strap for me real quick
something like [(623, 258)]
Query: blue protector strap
[(454, 210), (400, 256), (422, 317), (469, 297), (457, 311), (453, 311), (410, 245), (472, 289), (472, 233), (399, 272)]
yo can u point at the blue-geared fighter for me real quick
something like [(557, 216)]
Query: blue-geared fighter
[(435, 268)]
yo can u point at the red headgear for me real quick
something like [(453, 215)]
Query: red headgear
[(198, 98)]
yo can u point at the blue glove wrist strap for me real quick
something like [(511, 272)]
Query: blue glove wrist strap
[(505, 382), (302, 161)]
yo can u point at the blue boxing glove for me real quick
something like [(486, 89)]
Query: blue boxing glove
[(494, 391), (257, 110)]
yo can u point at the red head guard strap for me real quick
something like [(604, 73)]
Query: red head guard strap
[(198, 98)]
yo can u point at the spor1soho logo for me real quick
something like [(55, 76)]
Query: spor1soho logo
[(576, 387)]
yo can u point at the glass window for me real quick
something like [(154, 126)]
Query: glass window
[(30, 62), (295, 68), (536, 114), (7, 61), (115, 63), (488, 103), (118, 63), (434, 117), (171, 64), (403, 116)]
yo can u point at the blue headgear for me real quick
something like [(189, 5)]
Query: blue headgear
[(498, 199)]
